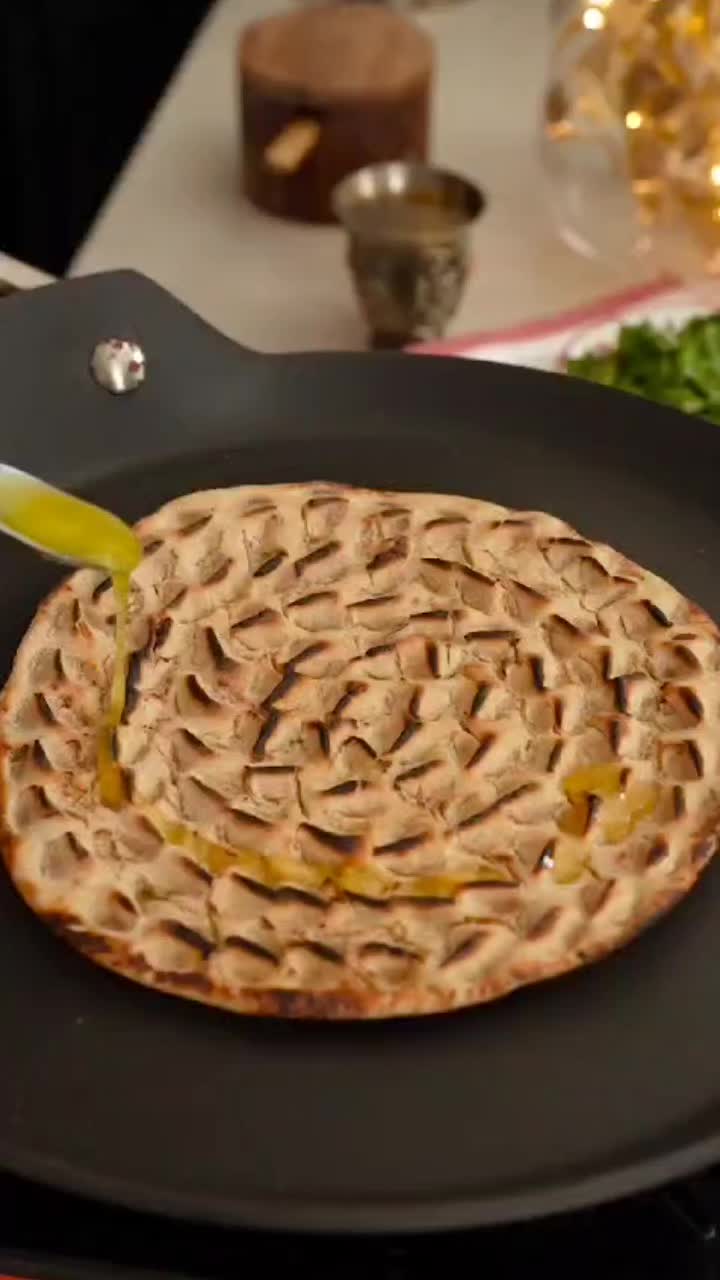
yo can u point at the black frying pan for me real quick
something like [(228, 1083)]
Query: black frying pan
[(585, 1088)]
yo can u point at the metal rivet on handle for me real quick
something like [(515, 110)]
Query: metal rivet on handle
[(118, 365)]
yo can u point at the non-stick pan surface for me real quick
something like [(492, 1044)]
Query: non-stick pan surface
[(581, 1089)]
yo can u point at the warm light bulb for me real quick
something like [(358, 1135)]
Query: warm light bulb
[(633, 120), (593, 18), (715, 175)]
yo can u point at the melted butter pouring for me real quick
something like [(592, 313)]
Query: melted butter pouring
[(111, 779), (623, 808), (65, 526), (71, 529)]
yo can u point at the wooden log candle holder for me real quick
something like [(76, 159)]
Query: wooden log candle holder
[(325, 91)]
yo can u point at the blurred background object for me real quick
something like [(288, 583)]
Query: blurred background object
[(84, 118), (408, 246), (631, 130), (77, 82), (16, 275), (326, 90)]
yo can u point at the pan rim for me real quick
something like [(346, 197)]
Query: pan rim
[(411, 1214)]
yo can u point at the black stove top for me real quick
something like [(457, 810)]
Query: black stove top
[(670, 1233)]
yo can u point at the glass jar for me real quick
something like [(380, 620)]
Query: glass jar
[(631, 129)]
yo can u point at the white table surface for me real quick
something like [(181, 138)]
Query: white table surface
[(177, 214), (20, 274)]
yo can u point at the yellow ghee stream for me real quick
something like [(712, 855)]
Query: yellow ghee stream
[(110, 776), (72, 529), (68, 527), (214, 857), (275, 872)]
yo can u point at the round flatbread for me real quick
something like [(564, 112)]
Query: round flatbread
[(355, 735)]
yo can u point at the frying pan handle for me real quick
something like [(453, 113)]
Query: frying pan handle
[(47, 337)]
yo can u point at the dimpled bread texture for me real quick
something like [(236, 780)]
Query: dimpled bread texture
[(398, 684)]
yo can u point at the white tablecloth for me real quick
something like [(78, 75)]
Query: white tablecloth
[(20, 274)]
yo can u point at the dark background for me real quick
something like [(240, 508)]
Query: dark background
[(78, 79)]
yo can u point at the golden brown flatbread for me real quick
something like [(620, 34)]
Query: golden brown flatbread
[(354, 741)]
